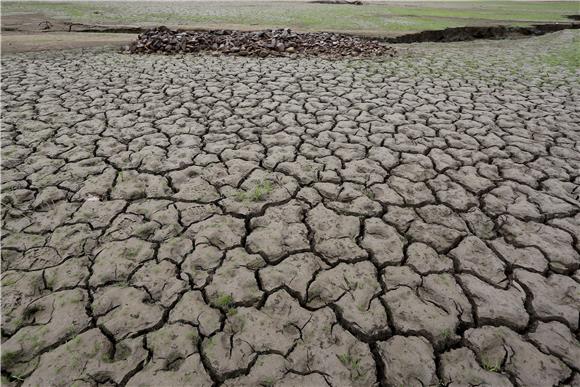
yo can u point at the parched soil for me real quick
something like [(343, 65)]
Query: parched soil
[(201, 221)]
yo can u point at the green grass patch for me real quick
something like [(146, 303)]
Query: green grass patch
[(225, 300), (353, 365), (568, 57), (491, 367), (370, 18), (256, 194)]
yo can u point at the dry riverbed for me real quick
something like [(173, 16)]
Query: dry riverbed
[(197, 220)]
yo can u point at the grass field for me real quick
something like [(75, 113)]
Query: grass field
[(394, 17)]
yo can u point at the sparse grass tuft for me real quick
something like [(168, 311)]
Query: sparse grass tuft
[(257, 194), (131, 252), (491, 367), (369, 194), (226, 303), (353, 365), (192, 336), (268, 382), (209, 343)]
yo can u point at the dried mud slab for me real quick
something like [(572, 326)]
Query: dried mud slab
[(502, 349)]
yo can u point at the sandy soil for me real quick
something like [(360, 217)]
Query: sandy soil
[(24, 42)]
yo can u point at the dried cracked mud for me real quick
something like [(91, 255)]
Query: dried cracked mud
[(198, 221)]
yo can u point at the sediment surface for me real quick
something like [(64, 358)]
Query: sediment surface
[(197, 220)]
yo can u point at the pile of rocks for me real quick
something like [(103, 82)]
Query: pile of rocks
[(277, 42)]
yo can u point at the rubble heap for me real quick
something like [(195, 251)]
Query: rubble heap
[(278, 42)]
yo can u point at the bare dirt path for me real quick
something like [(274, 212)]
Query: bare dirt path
[(39, 32), (196, 220), (18, 42)]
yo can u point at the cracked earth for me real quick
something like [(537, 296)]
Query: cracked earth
[(173, 221)]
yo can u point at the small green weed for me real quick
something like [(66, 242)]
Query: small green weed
[(192, 336), (268, 382), (226, 303), (131, 252), (489, 366), (257, 194), (209, 343), (353, 365)]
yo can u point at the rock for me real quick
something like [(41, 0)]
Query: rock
[(262, 43)]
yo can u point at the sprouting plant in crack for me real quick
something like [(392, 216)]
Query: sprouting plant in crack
[(18, 322), (240, 196), (131, 252), (71, 333), (488, 365), (34, 340), (268, 382), (256, 194), (17, 377), (9, 281), (192, 336), (9, 358), (209, 343), (446, 333), (226, 303), (353, 365), (260, 191), (106, 358), (96, 349)]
